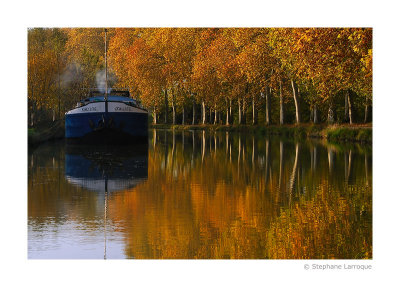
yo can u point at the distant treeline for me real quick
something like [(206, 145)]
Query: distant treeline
[(208, 75)]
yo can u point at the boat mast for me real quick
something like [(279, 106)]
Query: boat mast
[(105, 215), (105, 58)]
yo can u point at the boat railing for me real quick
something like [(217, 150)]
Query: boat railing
[(119, 92)]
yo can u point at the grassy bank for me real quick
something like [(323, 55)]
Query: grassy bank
[(51, 131), (333, 133)]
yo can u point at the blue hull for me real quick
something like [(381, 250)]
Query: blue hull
[(106, 168), (109, 125), (97, 162)]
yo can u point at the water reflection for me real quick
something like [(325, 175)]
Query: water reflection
[(207, 195), (68, 194), (106, 168)]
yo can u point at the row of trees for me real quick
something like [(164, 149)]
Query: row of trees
[(211, 75), (62, 65)]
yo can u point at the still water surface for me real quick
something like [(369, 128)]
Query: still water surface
[(196, 194)]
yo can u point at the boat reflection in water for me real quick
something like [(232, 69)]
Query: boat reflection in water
[(106, 168)]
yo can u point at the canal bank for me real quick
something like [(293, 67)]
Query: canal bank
[(46, 132), (333, 133)]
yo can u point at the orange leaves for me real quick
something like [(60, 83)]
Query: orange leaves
[(80, 39), (329, 57), (218, 63), (137, 65), (156, 59), (218, 66), (46, 62)]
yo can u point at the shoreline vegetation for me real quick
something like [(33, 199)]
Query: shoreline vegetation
[(334, 133), (44, 133), (361, 133)]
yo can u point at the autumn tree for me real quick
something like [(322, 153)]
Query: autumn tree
[(220, 69), (138, 67), (46, 62), (332, 59)]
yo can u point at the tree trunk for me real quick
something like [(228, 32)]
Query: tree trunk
[(350, 107), (253, 110), (154, 117), (315, 114), (331, 117), (194, 112), (173, 111), (210, 115), (239, 112), (183, 116), (227, 116), (311, 114), (281, 111), (267, 106), (296, 101), (203, 111), (244, 109), (230, 111), (366, 113), (215, 114), (346, 107), (166, 106)]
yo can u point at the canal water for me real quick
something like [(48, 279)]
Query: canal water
[(196, 194)]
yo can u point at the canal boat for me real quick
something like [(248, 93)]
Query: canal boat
[(106, 115), (112, 116)]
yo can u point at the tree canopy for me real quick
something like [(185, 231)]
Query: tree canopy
[(280, 73)]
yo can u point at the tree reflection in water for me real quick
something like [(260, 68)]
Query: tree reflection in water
[(213, 207), (227, 195)]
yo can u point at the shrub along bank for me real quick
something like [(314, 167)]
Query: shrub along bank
[(37, 135), (333, 133)]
